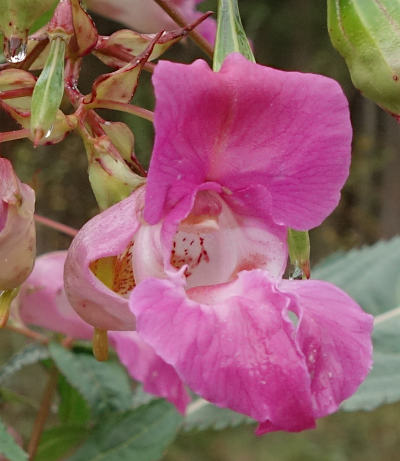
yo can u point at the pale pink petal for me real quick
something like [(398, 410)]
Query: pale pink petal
[(146, 16), (110, 233), (214, 243), (144, 365), (42, 301), (254, 130), (334, 334), (232, 344), (17, 228)]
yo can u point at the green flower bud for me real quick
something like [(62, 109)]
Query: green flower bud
[(110, 177), (366, 34), (48, 91), (16, 18)]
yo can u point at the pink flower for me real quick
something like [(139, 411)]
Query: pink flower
[(146, 16), (239, 156), (42, 302), (17, 228)]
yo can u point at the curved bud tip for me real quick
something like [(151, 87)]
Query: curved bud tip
[(100, 344)]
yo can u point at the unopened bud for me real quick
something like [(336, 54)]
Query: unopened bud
[(48, 91), (366, 34), (110, 177), (299, 252), (17, 228), (100, 344)]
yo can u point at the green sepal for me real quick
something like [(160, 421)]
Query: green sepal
[(231, 36)]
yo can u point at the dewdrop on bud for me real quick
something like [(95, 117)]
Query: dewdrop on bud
[(16, 18)]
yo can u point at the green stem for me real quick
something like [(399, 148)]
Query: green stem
[(43, 413), (128, 108)]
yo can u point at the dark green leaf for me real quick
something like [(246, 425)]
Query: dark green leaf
[(8, 446), (104, 385), (57, 442), (137, 435), (30, 354), (73, 408)]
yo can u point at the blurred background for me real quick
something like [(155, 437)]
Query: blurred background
[(289, 35)]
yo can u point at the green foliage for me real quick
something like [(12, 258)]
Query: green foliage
[(73, 408), (140, 435), (230, 34), (30, 354), (8, 446), (57, 442), (372, 277), (104, 385)]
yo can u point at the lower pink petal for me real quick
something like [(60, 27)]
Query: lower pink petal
[(232, 344), (144, 365), (334, 334), (42, 301)]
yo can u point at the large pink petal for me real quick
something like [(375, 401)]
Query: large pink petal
[(42, 301), (232, 344), (144, 365), (334, 334), (108, 234), (257, 131)]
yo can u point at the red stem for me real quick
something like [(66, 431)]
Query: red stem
[(13, 135), (56, 225)]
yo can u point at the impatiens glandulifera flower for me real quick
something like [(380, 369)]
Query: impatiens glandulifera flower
[(17, 228), (271, 148), (42, 302), (239, 156), (146, 16)]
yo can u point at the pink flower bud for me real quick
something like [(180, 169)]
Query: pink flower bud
[(17, 228)]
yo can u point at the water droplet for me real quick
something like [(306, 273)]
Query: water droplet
[(296, 273), (47, 135), (15, 49)]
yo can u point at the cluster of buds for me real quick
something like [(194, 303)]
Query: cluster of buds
[(57, 50)]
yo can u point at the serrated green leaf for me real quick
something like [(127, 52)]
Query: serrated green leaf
[(57, 442), (104, 385), (140, 435), (371, 276), (231, 36), (202, 415), (73, 408), (8, 447), (30, 354)]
